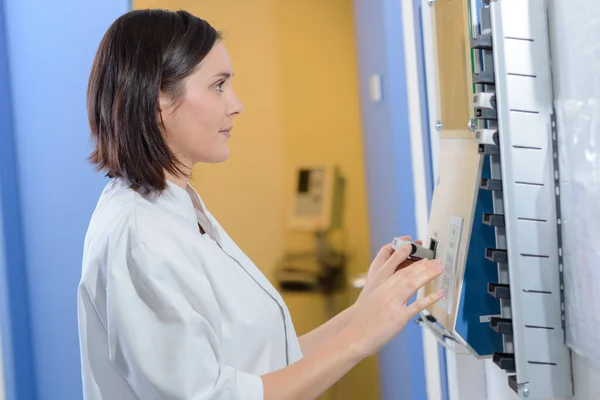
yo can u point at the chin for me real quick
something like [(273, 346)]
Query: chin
[(216, 158)]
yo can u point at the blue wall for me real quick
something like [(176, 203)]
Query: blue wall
[(14, 301), (380, 47), (48, 189)]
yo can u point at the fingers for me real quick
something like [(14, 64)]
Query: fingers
[(383, 255), (407, 263), (399, 256), (416, 277), (415, 268), (435, 264), (429, 271), (387, 252), (419, 305)]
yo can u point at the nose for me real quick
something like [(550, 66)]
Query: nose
[(235, 106)]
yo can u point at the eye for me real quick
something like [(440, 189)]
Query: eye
[(219, 86)]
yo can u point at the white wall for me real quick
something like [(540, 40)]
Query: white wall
[(575, 51), (417, 130)]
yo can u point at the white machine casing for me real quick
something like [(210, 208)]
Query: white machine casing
[(316, 203)]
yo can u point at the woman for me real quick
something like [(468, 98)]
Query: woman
[(169, 306)]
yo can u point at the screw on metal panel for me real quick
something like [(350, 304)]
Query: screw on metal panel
[(472, 124), (439, 125), (430, 3), (526, 392)]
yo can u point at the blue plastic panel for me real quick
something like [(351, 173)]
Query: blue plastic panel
[(474, 299)]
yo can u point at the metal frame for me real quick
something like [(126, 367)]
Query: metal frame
[(527, 166), (465, 375)]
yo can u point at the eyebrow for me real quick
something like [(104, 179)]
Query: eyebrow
[(223, 75)]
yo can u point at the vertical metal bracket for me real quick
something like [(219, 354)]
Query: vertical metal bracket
[(561, 271)]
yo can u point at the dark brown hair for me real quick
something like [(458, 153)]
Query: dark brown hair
[(142, 53)]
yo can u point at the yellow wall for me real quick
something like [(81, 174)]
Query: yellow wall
[(296, 73)]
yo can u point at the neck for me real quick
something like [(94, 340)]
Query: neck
[(180, 181)]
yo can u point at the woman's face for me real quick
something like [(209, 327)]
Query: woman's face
[(197, 129)]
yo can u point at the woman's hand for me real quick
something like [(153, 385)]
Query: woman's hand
[(382, 314), (380, 270), (385, 312)]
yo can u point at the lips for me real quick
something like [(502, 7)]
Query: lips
[(226, 131)]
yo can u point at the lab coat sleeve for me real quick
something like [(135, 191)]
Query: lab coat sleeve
[(162, 323)]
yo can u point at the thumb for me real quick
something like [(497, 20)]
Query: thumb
[(399, 256), (386, 252)]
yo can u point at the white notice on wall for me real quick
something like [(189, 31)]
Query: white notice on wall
[(577, 104), (447, 281)]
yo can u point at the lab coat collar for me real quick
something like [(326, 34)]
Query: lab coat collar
[(188, 203), (177, 199)]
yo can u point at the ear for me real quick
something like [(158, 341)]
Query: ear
[(163, 110), (164, 102)]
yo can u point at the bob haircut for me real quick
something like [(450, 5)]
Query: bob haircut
[(143, 53)]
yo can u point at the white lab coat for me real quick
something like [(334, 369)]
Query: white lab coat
[(168, 313)]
